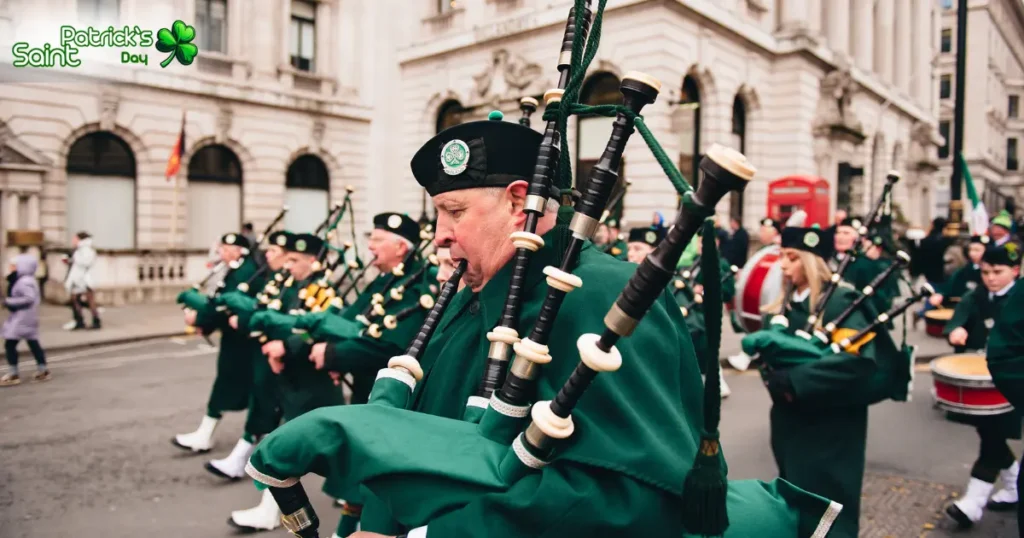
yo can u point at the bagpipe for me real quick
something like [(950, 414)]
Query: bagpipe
[(457, 461)]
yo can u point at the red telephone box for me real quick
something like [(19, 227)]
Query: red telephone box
[(789, 194)]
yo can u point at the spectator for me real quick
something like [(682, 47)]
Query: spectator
[(23, 323), (929, 259), (79, 282), (737, 244)]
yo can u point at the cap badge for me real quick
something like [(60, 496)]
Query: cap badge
[(281, 240), (811, 239), (455, 157), (984, 240), (651, 237), (229, 239), (989, 323), (300, 245), (394, 221), (856, 223), (1011, 252)]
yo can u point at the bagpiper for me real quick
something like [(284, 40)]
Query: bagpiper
[(230, 391)]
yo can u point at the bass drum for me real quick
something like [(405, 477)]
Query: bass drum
[(758, 283)]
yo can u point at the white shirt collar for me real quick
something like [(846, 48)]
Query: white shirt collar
[(1001, 292), (801, 296), (1003, 241)]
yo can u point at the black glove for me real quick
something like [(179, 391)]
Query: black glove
[(779, 386)]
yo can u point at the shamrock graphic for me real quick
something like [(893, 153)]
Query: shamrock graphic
[(177, 41)]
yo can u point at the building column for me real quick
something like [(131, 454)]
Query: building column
[(863, 34), (838, 30), (12, 209), (884, 31), (33, 212), (813, 17), (921, 52), (905, 36), (794, 15)]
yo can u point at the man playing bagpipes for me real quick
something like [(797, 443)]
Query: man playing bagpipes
[(1005, 359), (393, 241), (264, 410), (969, 328), (642, 241), (230, 390), (967, 278), (821, 394)]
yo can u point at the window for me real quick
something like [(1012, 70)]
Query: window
[(449, 115), (945, 86), (446, 6), (947, 4), (1014, 107), (947, 40), (1011, 154), (99, 13), (307, 186), (303, 35), (689, 113), (944, 133), (101, 174), (211, 25), (214, 195)]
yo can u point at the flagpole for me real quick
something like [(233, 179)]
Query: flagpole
[(954, 227)]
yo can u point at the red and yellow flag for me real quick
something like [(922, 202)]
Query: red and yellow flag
[(174, 162)]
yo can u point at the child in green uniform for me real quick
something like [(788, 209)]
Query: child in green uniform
[(965, 279), (818, 423), (972, 320)]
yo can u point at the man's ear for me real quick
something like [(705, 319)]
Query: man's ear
[(516, 195)]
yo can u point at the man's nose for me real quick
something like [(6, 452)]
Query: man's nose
[(444, 235)]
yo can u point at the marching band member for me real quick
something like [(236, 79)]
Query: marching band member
[(642, 241), (596, 485), (818, 439), (301, 388), (609, 238), (969, 328), (1000, 228), (264, 412), (1005, 360), (230, 390), (873, 263), (770, 232), (393, 238), (966, 278)]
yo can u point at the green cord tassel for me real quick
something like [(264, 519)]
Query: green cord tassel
[(704, 491)]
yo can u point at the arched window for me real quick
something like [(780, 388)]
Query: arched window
[(592, 132), (739, 140), (688, 125), (307, 194), (448, 115), (101, 190), (214, 195)]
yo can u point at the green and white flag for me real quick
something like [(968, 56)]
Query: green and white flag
[(978, 222)]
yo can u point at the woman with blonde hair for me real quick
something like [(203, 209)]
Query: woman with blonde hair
[(818, 417)]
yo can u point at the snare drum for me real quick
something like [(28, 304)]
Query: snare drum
[(963, 385), (935, 321), (759, 283)]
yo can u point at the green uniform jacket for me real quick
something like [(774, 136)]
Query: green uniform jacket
[(303, 387), (819, 440), (619, 250), (230, 390), (1006, 349), (977, 314), (966, 279), (618, 473), (728, 287), (364, 356)]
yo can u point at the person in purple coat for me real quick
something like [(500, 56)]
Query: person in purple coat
[(23, 323)]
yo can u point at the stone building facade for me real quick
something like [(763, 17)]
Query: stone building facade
[(832, 89), (276, 110), (993, 119), (292, 100)]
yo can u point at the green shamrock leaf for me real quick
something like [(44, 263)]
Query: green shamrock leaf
[(177, 42)]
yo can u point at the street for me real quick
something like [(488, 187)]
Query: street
[(88, 454)]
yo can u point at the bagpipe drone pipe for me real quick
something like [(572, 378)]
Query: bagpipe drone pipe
[(423, 466)]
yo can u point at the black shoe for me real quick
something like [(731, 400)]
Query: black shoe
[(957, 515), (217, 472), (1001, 507), (96, 324)]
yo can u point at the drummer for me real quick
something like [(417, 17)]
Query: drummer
[(966, 278), (972, 320), (770, 232)]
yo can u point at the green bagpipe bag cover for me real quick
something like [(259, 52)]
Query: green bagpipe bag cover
[(422, 467), (193, 299), (326, 326), (781, 350), (274, 324)]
